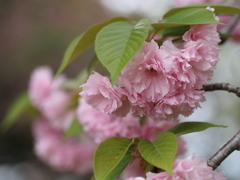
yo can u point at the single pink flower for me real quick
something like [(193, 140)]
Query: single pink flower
[(41, 85), (207, 32), (98, 92)]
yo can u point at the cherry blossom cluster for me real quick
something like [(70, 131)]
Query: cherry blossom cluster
[(159, 82), (186, 169), (65, 154), (75, 153), (101, 126)]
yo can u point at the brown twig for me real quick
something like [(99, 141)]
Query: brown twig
[(232, 145), (222, 86)]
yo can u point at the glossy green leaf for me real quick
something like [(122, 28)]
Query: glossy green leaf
[(117, 43), (187, 17), (82, 42), (161, 152), (16, 110), (175, 31), (191, 127), (218, 9), (111, 158), (74, 129)]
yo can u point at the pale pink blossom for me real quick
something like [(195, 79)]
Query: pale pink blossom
[(207, 32), (41, 85), (201, 52), (48, 97), (145, 74), (164, 92), (101, 126), (180, 3), (64, 154), (189, 169), (98, 92)]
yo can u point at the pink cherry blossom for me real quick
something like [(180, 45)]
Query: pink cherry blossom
[(41, 85), (98, 92), (102, 126), (49, 98), (206, 32), (145, 74), (64, 154), (189, 169), (201, 52), (180, 3), (160, 82)]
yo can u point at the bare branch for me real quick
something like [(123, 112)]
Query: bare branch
[(232, 145), (222, 86)]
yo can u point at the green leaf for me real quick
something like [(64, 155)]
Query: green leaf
[(161, 152), (82, 42), (219, 9), (74, 128), (191, 127), (17, 109), (117, 43), (111, 158), (175, 31), (188, 17)]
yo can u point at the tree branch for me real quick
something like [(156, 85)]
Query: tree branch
[(232, 145), (222, 86)]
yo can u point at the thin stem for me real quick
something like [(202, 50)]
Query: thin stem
[(222, 86), (232, 145)]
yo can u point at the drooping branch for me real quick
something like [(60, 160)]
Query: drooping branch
[(232, 145), (222, 86)]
